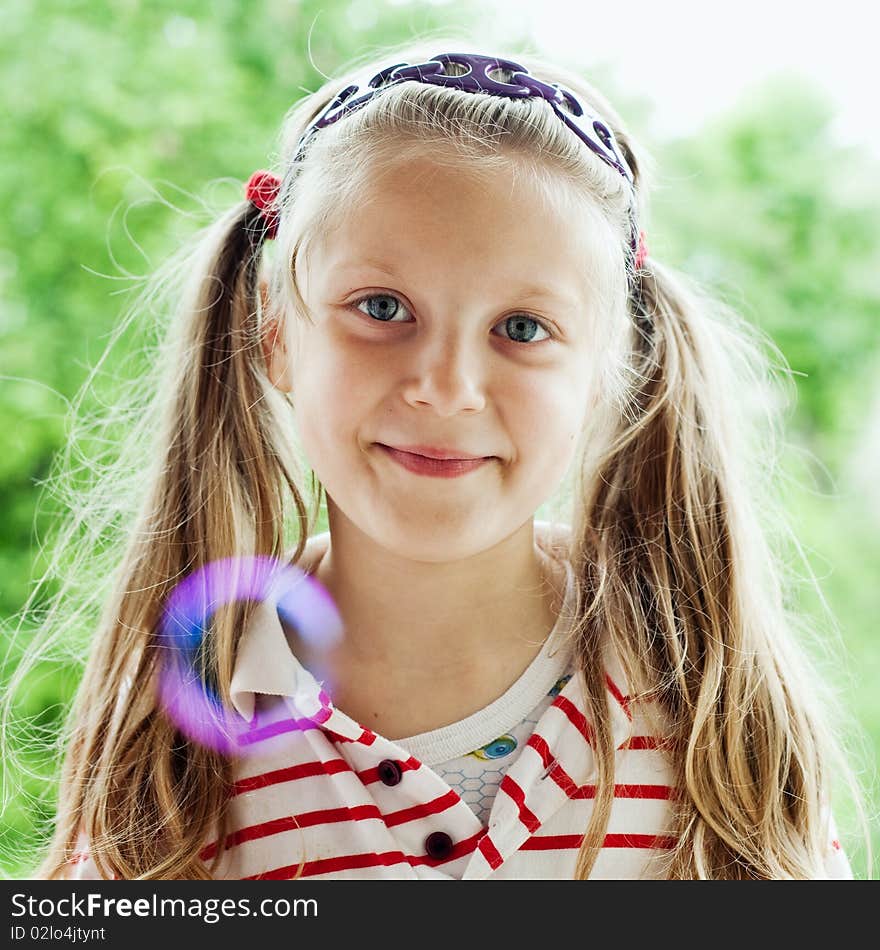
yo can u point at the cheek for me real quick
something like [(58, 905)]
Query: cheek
[(331, 389), (549, 413)]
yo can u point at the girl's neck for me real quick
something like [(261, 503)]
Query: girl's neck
[(444, 639)]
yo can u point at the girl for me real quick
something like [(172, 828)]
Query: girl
[(460, 316)]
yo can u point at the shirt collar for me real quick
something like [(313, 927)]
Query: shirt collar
[(266, 664)]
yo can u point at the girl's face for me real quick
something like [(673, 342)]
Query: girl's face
[(452, 313)]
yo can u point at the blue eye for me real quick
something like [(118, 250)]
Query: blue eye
[(387, 308), (522, 329)]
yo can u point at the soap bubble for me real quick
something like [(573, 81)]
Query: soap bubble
[(195, 706)]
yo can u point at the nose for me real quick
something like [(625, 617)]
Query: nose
[(447, 377)]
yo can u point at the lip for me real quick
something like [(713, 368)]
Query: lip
[(431, 465), (431, 452)]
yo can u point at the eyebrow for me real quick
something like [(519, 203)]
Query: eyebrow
[(525, 291)]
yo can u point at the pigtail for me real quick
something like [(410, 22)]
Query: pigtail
[(145, 798), (683, 581)]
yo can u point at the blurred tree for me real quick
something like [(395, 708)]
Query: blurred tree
[(766, 206)]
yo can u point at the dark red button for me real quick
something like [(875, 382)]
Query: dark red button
[(438, 845), (390, 772)]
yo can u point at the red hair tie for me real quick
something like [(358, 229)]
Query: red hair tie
[(262, 192)]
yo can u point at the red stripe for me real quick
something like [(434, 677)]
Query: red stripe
[(618, 695), (562, 842), (526, 816), (291, 774), (420, 811), (464, 847), (326, 711), (647, 742), (557, 772), (629, 791), (638, 841), (329, 865), (302, 725), (323, 816), (539, 744), (337, 736), (365, 738), (551, 842), (490, 852), (275, 826), (273, 729), (322, 715), (576, 717), (368, 776), (346, 862), (310, 770)]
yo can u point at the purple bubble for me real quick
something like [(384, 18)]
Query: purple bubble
[(196, 709)]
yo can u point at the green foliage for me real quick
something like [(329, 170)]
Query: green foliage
[(765, 204), (123, 117)]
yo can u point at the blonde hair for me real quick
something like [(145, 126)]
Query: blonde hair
[(672, 516)]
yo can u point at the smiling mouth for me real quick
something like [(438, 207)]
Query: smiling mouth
[(430, 452), (435, 467)]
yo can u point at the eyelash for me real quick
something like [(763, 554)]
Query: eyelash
[(547, 329)]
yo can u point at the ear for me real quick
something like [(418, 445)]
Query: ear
[(276, 350)]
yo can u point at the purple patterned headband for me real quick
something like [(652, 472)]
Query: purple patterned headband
[(471, 72)]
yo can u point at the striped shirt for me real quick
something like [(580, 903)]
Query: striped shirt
[(325, 797)]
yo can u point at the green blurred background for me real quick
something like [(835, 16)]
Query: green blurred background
[(123, 117)]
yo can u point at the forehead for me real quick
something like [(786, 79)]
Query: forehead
[(485, 228)]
